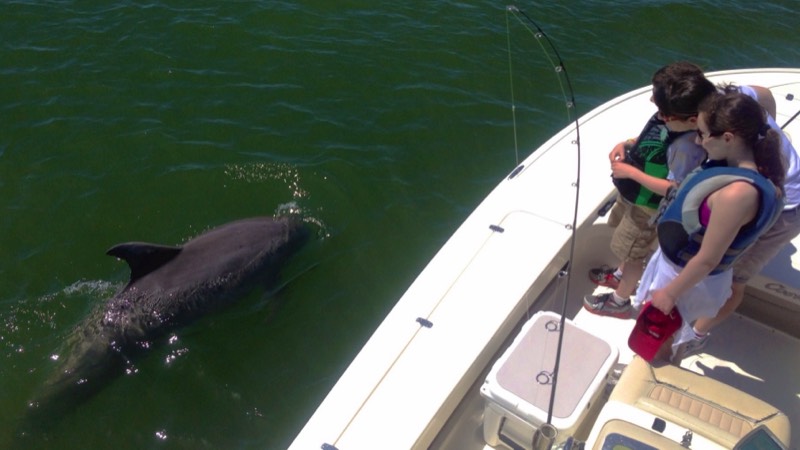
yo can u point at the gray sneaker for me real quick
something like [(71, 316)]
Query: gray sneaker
[(604, 305), (690, 347)]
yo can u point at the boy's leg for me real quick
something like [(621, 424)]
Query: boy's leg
[(630, 278), (631, 242), (620, 209)]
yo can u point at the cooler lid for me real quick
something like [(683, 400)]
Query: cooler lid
[(528, 371)]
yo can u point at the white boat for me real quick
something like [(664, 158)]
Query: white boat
[(428, 377)]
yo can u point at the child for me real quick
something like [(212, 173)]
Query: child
[(642, 171), (768, 244)]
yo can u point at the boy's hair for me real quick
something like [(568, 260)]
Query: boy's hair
[(678, 89)]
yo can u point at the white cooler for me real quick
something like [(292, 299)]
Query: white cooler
[(517, 389)]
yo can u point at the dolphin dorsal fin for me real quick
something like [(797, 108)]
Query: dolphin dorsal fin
[(142, 257)]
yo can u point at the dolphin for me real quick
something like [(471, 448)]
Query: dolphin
[(169, 287)]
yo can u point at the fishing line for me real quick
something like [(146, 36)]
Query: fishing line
[(790, 97), (511, 84), (563, 79), (790, 120)]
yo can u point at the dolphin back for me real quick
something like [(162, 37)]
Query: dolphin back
[(170, 287)]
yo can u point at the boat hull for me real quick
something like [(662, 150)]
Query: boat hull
[(501, 265)]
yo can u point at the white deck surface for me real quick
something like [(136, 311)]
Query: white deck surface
[(755, 359), (743, 353)]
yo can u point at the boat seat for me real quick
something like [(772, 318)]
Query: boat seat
[(717, 411)]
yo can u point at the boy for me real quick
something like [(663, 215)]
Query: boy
[(642, 170)]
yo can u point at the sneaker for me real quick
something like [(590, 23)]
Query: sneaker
[(605, 305), (604, 276), (691, 347)]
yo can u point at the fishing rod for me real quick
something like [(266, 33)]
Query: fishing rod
[(548, 433)]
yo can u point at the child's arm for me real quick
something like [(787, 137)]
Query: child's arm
[(621, 169), (766, 99), (618, 152)]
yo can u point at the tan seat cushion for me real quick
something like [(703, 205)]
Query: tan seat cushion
[(719, 412)]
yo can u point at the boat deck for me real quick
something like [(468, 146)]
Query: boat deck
[(742, 353)]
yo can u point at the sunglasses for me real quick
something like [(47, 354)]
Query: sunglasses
[(702, 135), (672, 117)]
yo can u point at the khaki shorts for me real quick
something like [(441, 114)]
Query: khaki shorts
[(767, 246), (633, 237)]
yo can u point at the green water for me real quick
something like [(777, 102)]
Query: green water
[(384, 122)]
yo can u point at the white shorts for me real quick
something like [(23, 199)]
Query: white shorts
[(703, 300)]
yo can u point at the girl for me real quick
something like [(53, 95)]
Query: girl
[(717, 212)]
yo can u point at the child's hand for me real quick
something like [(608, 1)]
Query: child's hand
[(621, 169), (617, 153), (663, 301)]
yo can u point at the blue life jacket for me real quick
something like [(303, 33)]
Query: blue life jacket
[(680, 232)]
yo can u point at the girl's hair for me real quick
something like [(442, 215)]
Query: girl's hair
[(743, 116)]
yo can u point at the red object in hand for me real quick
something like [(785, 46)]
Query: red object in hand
[(652, 329)]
